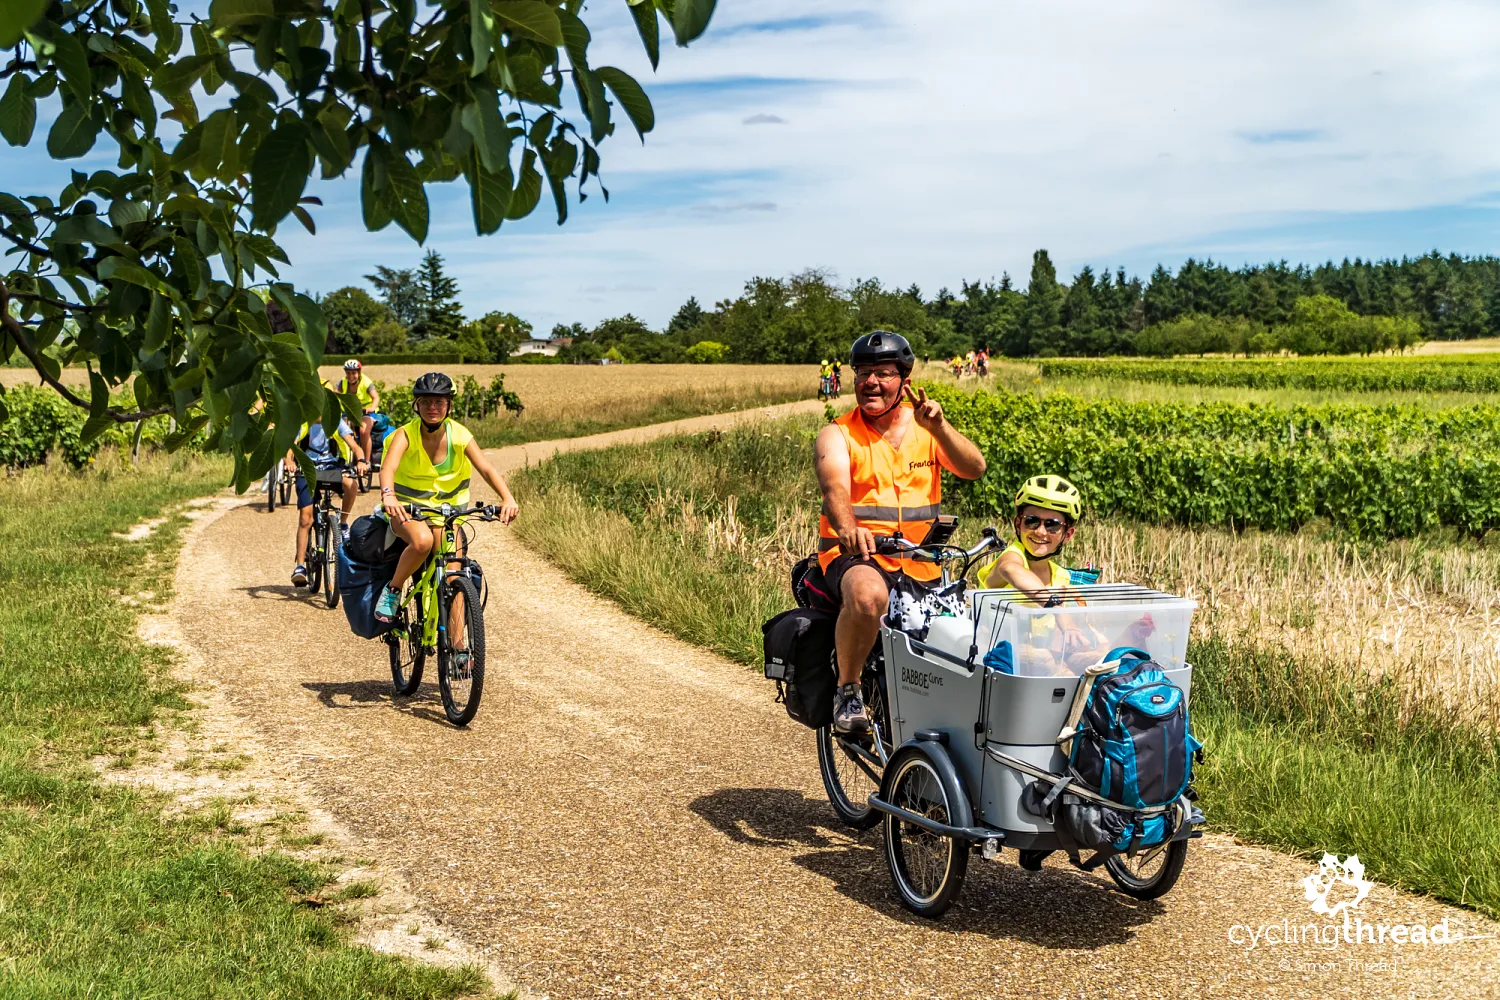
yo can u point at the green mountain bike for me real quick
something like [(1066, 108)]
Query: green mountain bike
[(443, 614)]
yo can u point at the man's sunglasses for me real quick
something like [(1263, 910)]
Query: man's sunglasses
[(1051, 525)]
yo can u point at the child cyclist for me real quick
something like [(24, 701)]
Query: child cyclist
[(1047, 512), (429, 461)]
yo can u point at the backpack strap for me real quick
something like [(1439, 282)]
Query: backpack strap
[(1081, 699)]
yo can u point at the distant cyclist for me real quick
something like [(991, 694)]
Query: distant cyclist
[(357, 382), (838, 377), (429, 461), (326, 454)]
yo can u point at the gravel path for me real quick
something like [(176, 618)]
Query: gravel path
[(632, 816)]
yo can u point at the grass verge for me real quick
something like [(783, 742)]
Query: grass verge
[(102, 893), (696, 535)]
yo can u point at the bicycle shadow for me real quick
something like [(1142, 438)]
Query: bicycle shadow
[(278, 592), (1057, 908), (425, 704)]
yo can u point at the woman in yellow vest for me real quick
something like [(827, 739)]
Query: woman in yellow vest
[(429, 462), (357, 382), (878, 469)]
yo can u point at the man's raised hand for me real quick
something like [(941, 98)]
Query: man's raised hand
[(928, 412)]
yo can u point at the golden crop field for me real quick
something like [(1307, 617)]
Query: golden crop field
[(573, 400)]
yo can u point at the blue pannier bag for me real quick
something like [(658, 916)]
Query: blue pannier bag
[(360, 585), (1136, 748)]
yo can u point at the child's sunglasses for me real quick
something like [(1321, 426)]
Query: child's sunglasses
[(1051, 525)]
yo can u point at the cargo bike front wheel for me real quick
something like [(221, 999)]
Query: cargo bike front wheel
[(927, 867)]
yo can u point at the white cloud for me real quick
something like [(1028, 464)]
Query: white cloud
[(930, 142)]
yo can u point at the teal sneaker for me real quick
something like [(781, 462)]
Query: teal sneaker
[(388, 605)]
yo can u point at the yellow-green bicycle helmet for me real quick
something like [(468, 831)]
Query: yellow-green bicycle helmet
[(1051, 493)]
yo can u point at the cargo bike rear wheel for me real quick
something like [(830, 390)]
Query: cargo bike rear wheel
[(852, 766), (1149, 874)]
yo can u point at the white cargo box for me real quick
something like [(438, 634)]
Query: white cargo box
[(1026, 640)]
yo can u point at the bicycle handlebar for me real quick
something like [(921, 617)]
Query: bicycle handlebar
[(450, 515), (941, 552)]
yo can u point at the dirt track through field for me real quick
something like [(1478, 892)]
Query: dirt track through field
[(632, 816)]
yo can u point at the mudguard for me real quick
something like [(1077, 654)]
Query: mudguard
[(942, 764)]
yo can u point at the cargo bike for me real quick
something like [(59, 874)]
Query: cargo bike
[(974, 720)]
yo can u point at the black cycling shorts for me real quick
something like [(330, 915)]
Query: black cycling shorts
[(834, 575)]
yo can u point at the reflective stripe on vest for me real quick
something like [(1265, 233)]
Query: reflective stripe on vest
[(418, 480), (890, 490)]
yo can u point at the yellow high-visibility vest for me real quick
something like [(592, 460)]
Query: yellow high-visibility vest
[(420, 482)]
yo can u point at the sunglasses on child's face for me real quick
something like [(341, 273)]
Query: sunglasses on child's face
[(1051, 524)]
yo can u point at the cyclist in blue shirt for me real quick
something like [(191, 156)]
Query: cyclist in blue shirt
[(326, 454)]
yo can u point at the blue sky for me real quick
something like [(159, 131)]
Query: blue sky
[(933, 142)]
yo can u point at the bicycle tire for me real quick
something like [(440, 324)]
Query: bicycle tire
[(273, 488), (459, 704), (848, 794), (332, 542), (408, 655), (1159, 882), (286, 484), (314, 561)]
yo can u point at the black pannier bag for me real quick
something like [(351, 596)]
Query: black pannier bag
[(799, 658), (367, 541)]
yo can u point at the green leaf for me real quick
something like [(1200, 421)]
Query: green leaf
[(73, 133), (17, 112), (99, 417), (631, 97), (15, 17), (278, 173), (531, 16), (123, 269), (374, 189), (690, 18), (218, 146), (158, 324), (73, 60), (483, 121), (644, 12), (122, 212), (408, 197), (481, 35), (224, 13), (174, 80), (528, 188), (489, 193)]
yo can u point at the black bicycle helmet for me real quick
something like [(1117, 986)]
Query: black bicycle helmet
[(433, 384), (882, 345)]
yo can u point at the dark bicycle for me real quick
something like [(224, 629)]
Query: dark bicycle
[(326, 536), (448, 587)]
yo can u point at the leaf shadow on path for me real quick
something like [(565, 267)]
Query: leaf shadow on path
[(1056, 908)]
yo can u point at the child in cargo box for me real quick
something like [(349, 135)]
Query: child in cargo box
[(1047, 512)]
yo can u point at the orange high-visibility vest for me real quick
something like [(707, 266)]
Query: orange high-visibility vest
[(890, 490)]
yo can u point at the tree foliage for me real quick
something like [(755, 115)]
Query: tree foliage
[(441, 315), (349, 312), (157, 274)]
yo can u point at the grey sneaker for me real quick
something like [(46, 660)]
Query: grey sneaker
[(849, 715)]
